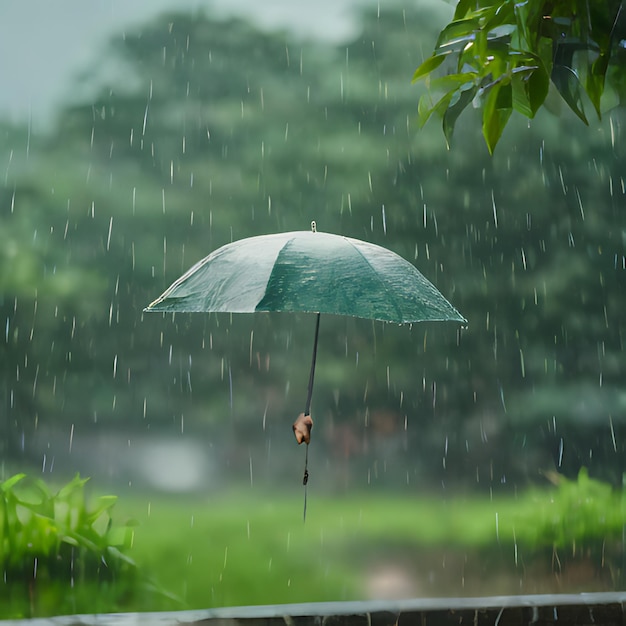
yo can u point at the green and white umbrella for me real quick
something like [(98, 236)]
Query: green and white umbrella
[(308, 271)]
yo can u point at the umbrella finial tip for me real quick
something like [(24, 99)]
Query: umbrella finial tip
[(313, 227)]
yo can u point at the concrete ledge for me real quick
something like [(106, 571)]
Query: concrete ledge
[(597, 609)]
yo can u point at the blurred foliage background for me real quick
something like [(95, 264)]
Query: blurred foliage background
[(210, 130)]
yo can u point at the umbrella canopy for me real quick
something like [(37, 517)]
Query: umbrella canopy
[(308, 271)]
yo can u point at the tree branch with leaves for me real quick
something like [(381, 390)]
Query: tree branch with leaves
[(506, 55)]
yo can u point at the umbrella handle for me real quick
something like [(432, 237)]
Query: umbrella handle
[(307, 410)]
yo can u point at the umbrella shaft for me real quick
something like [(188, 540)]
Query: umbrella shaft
[(307, 410)]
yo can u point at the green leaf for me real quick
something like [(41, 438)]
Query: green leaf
[(120, 556), (544, 53), (454, 110), (595, 81), (425, 107), (103, 506), (530, 88), (9, 483), (120, 536), (566, 81), (538, 85), (522, 18), (503, 31), (75, 485), (452, 82), (463, 8), (428, 66), (34, 495), (69, 539), (498, 109), (456, 35), (521, 101)]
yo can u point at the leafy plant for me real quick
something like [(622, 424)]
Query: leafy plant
[(577, 523), (52, 543), (502, 56), (579, 513)]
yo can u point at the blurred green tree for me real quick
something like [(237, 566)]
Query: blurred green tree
[(211, 130)]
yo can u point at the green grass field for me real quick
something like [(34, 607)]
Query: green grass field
[(245, 548)]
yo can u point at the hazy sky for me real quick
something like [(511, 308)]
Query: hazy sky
[(44, 45)]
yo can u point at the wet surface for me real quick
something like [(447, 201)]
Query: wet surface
[(585, 608)]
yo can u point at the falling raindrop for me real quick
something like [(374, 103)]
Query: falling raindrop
[(613, 434), (493, 206), (230, 388), (497, 528), (580, 203)]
